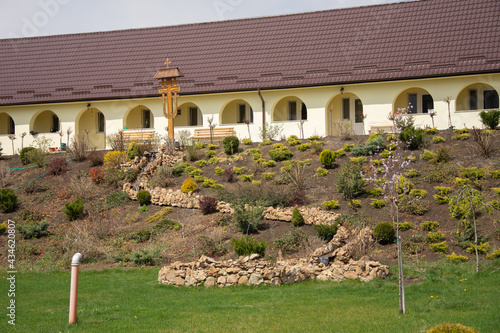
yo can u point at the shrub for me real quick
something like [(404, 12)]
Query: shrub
[(246, 142), (201, 163), (440, 174), (265, 142), (24, 156), (372, 146), (377, 204), (304, 146), (192, 151), (441, 200), (431, 131), (293, 140), (404, 226), (268, 175), (358, 160), (141, 235), (248, 218), (78, 147), (418, 207), (34, 230), (412, 173), (439, 247), (280, 154), (375, 192), (451, 328), (117, 199), (159, 215), (331, 205), (355, 204), (428, 155), (443, 190), (413, 137), (213, 147), (213, 161), (490, 118), (384, 233), (245, 246), (193, 172), (269, 164), (113, 159), (247, 178), (145, 257), (231, 145), (133, 150), (292, 241), (461, 137), (96, 175), (461, 131), (313, 138), (429, 225), (496, 190), (3, 228), (418, 193), (454, 258), (8, 200), (438, 139), (162, 177), (238, 171), (208, 205), (482, 248), (320, 172), (210, 154), (73, 210), (326, 231), (495, 174), (37, 156), (144, 197), (317, 147), (95, 157), (473, 173), (350, 182), (434, 237), (460, 181), (494, 255), (377, 163), (297, 218)]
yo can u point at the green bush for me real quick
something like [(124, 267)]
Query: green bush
[(355, 204), (372, 146), (8, 200), (304, 146), (404, 226), (473, 173), (350, 182), (494, 255), (384, 233), (214, 147), (133, 150), (210, 154), (490, 118), (327, 158), (268, 175), (292, 241), (24, 156), (34, 230), (413, 137), (189, 185), (239, 171), (377, 163), (246, 142), (412, 173), (377, 204), (73, 210), (320, 172), (358, 160), (247, 178), (326, 231), (144, 197), (141, 235), (297, 218), (438, 139), (117, 199), (265, 142), (248, 219), (443, 190), (330, 205), (429, 225), (495, 174), (482, 248), (461, 131), (428, 155), (201, 163), (280, 154), (441, 200), (439, 247), (293, 140), (245, 246), (461, 137), (145, 257), (434, 237), (418, 193), (431, 131), (375, 192), (231, 145), (418, 207)]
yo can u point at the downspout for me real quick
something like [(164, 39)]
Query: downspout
[(263, 115)]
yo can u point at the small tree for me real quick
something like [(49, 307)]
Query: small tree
[(12, 137), (23, 134), (211, 126), (248, 122), (447, 100), (68, 132)]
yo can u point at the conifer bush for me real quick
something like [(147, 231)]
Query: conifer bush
[(8, 200), (24, 155), (451, 328), (297, 218), (34, 230), (327, 158), (73, 210), (326, 231), (132, 150), (231, 145), (384, 233), (189, 185), (245, 246), (490, 118), (144, 197)]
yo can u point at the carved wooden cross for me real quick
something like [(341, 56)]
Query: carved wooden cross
[(167, 62)]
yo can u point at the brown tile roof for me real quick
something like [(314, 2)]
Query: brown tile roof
[(375, 43)]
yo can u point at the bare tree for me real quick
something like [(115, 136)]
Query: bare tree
[(211, 126), (12, 137), (248, 122)]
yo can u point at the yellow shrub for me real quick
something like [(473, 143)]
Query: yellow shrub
[(114, 159), (189, 185)]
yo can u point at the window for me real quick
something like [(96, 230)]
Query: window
[(292, 110), (490, 98), (427, 103), (358, 111), (346, 109), (303, 113), (100, 122), (12, 126), (412, 103), (242, 113), (473, 99), (193, 116), (146, 119), (179, 112), (55, 123), (420, 103)]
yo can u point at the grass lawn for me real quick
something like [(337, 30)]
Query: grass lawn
[(132, 301)]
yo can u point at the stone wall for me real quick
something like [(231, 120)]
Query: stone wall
[(251, 270)]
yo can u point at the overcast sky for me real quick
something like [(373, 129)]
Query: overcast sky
[(30, 18)]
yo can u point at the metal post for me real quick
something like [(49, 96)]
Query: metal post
[(73, 296)]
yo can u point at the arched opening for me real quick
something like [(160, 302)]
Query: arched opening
[(188, 114), (478, 96), (236, 112), (45, 122), (346, 106), (7, 125), (417, 100), (138, 117), (92, 124), (289, 109)]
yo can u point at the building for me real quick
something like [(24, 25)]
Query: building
[(307, 70)]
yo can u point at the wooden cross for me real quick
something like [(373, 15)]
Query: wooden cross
[(167, 62)]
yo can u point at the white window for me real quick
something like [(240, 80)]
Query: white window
[(480, 99), (420, 103), (294, 113), (146, 119), (100, 122)]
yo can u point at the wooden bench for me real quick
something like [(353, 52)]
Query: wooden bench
[(381, 127), (139, 136), (218, 133)]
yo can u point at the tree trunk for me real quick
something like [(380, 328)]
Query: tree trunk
[(475, 233), (402, 306)]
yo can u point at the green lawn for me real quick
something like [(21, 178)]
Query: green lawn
[(132, 301)]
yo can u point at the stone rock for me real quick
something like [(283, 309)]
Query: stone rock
[(209, 282), (351, 275), (243, 280), (255, 279)]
